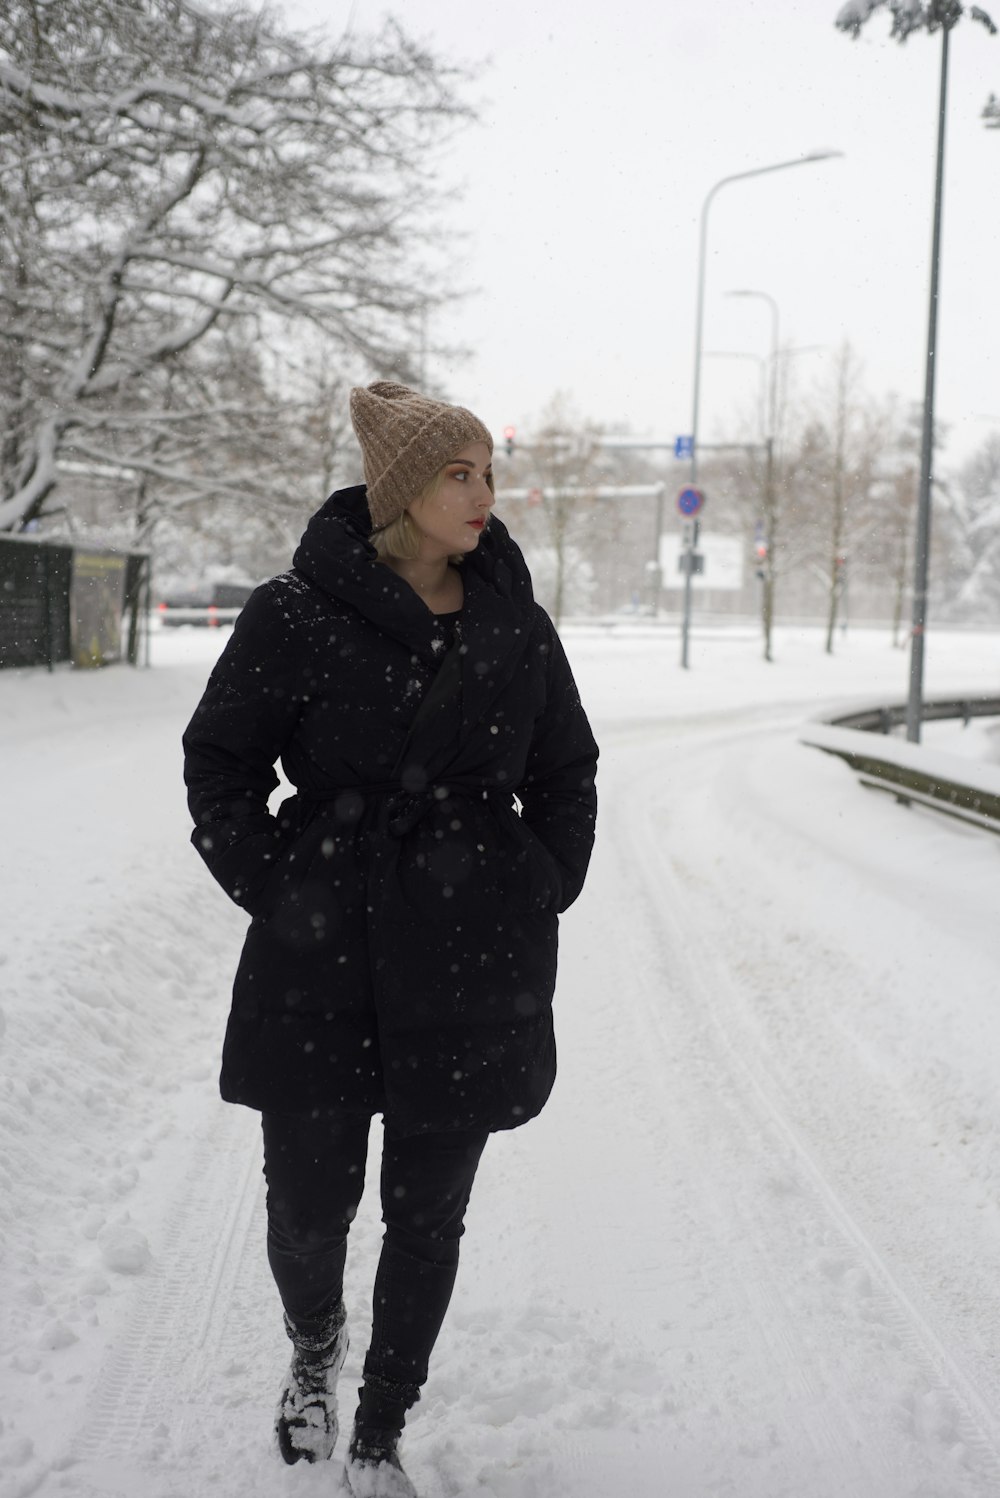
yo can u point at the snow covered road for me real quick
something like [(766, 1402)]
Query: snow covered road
[(749, 1249)]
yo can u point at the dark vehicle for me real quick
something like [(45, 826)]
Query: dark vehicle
[(210, 606)]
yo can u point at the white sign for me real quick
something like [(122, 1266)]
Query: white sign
[(723, 565)]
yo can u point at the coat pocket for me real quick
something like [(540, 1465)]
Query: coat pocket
[(533, 881), (295, 850), (314, 901)]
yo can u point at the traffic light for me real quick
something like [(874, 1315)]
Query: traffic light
[(760, 550), (760, 542), (508, 438)]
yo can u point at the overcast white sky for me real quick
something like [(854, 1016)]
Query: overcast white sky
[(603, 126)]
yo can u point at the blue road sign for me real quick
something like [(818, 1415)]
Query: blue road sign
[(683, 447), (690, 501)]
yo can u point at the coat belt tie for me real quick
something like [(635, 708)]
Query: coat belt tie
[(399, 809)]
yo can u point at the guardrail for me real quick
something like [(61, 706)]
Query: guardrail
[(966, 789), (885, 719)]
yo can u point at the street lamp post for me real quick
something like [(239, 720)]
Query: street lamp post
[(759, 171), (922, 544)]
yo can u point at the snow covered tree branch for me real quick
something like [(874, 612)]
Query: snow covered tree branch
[(973, 504), (175, 181), (909, 16)]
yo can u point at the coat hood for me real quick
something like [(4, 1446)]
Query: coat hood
[(336, 555)]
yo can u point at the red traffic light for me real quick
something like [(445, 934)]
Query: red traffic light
[(508, 437)]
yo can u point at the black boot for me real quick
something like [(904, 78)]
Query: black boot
[(306, 1424), (373, 1466)]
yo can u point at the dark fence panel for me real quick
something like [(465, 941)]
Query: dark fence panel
[(137, 604), (59, 574), (34, 602), (60, 603)]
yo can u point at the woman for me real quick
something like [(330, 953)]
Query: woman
[(402, 950)]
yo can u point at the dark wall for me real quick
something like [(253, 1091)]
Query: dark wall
[(34, 602), (49, 605)]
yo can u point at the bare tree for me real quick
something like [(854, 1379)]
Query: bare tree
[(846, 440), (889, 529), (177, 185), (837, 515), (562, 525), (973, 505), (782, 498), (899, 508)]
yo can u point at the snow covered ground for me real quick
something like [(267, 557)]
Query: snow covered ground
[(749, 1249)]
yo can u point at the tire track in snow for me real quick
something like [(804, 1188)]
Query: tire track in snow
[(741, 1324), (974, 1422), (232, 1245), (172, 1330), (627, 1224)]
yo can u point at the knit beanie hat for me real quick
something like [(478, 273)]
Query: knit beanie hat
[(405, 439)]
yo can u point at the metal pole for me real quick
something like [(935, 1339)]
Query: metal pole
[(914, 706), (688, 562), (688, 559)]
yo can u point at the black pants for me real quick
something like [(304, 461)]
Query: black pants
[(314, 1165)]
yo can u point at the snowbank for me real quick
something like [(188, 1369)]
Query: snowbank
[(776, 1125)]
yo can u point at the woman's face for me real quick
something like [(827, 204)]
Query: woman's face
[(451, 519)]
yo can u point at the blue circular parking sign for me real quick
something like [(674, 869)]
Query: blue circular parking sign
[(690, 501)]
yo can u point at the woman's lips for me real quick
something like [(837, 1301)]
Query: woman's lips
[(476, 524)]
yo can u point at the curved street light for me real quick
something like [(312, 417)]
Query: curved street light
[(759, 171)]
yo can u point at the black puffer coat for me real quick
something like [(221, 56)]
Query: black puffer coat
[(402, 949)]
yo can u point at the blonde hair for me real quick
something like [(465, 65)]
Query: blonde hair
[(397, 541), (400, 539)]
